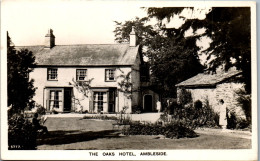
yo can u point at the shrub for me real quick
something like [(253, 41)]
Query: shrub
[(197, 115), (198, 104), (101, 117), (236, 123), (184, 97), (172, 130), (54, 111), (85, 111), (136, 109), (244, 100), (40, 109), (21, 134)]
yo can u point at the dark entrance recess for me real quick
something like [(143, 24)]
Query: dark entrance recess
[(111, 105), (67, 99), (148, 103)]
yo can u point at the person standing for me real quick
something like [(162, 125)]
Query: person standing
[(158, 106), (223, 114)]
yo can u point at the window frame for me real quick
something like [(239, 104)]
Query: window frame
[(86, 75), (48, 98), (107, 78), (98, 103), (49, 74)]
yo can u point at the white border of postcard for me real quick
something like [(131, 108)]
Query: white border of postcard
[(206, 154)]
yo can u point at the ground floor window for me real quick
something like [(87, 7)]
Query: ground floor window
[(55, 100), (59, 99), (100, 101)]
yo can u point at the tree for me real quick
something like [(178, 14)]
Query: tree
[(229, 30), (82, 87), (126, 86), (172, 57), (20, 89)]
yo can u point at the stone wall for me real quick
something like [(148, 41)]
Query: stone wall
[(225, 91)]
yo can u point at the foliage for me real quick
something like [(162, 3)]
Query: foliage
[(172, 58), (82, 87), (123, 117), (170, 130), (40, 109), (53, 111), (101, 117), (136, 109), (184, 97), (191, 116), (244, 100), (235, 122), (228, 28), (21, 134), (126, 85), (20, 89), (123, 30)]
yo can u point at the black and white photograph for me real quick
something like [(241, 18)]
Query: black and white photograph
[(128, 80)]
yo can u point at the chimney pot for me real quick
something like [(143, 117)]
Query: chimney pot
[(49, 39), (133, 37)]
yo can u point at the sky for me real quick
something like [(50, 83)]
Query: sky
[(77, 22)]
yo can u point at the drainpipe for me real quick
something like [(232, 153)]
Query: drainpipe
[(43, 98), (117, 101)]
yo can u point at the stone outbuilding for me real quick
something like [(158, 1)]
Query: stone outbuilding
[(214, 87)]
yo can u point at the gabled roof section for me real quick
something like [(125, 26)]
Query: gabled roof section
[(204, 79), (84, 55)]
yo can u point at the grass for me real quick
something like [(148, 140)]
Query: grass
[(75, 133)]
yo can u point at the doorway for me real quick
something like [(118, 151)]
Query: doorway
[(67, 100), (148, 103), (111, 106)]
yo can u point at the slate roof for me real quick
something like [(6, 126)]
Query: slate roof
[(84, 55), (204, 79)]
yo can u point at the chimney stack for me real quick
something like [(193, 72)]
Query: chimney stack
[(133, 37), (49, 39)]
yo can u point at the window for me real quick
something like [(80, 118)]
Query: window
[(100, 101), (110, 74), (55, 100), (52, 74), (81, 74)]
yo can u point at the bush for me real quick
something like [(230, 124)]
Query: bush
[(136, 109), (40, 109), (54, 111), (21, 134), (171, 130), (184, 97), (236, 123), (101, 117), (197, 115), (244, 100)]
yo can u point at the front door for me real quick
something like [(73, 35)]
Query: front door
[(148, 104), (67, 100), (111, 106)]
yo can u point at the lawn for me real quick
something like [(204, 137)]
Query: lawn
[(76, 133)]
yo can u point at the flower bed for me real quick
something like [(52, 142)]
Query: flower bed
[(171, 130)]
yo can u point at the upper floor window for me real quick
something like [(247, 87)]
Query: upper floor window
[(110, 75), (81, 74), (52, 74)]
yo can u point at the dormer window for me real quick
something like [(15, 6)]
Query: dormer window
[(52, 74), (81, 74), (110, 74)]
